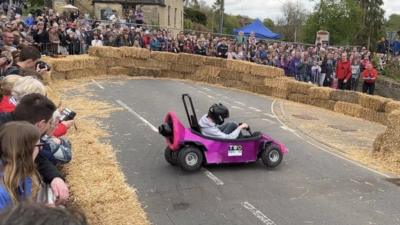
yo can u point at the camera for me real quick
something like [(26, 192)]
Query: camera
[(67, 114), (43, 65)]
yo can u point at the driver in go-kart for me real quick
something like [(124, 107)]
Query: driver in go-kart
[(212, 124)]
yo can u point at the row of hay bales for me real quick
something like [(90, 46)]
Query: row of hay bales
[(230, 73)]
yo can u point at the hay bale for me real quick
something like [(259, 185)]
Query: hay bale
[(394, 119), (374, 116), (164, 57), (277, 82), (190, 59), (378, 142), (214, 61), (234, 84), (254, 79), (136, 53), (85, 73), (280, 93), (144, 71), (203, 73), (298, 98), (298, 87), (320, 93), (322, 103), (345, 96), (55, 75), (176, 75), (238, 66), (263, 70), (73, 63), (117, 70), (392, 106), (262, 89), (348, 108), (231, 75), (108, 52), (375, 103)]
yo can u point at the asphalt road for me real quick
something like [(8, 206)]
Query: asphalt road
[(311, 186)]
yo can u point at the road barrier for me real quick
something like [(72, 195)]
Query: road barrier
[(243, 75)]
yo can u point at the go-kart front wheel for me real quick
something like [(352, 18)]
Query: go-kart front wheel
[(171, 156), (190, 158), (271, 156)]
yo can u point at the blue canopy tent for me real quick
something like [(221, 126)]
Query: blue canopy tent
[(259, 29)]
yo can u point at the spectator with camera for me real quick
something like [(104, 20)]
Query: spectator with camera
[(38, 110), (28, 63), (19, 148)]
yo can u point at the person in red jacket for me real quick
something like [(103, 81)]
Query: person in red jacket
[(369, 76), (343, 72)]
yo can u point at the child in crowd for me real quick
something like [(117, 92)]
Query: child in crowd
[(18, 149)]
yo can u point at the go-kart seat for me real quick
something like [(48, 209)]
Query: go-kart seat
[(256, 136)]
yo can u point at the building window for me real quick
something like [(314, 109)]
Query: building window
[(169, 15), (176, 11)]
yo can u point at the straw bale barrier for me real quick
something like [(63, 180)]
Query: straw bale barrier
[(376, 103), (345, 96), (348, 109), (237, 74), (298, 87), (320, 93)]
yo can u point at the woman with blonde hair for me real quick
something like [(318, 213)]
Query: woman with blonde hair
[(19, 146), (27, 85)]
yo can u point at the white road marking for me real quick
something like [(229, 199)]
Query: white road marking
[(327, 150), (209, 96), (269, 115), (255, 109), (288, 129), (95, 82), (240, 103), (214, 178), (237, 107), (137, 115), (269, 121), (206, 89), (261, 216)]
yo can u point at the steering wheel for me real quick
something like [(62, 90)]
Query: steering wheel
[(247, 129)]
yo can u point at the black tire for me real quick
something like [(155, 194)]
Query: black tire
[(171, 157), (271, 156), (190, 158)]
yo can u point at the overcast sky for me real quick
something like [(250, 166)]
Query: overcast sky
[(272, 8)]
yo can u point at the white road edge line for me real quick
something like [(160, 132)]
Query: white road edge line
[(328, 151), (269, 121), (240, 103), (137, 115), (261, 216), (214, 178), (98, 85), (269, 115), (255, 109), (237, 107)]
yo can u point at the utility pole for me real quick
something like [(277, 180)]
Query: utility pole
[(221, 21)]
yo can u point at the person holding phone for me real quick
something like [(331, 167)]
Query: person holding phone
[(369, 76)]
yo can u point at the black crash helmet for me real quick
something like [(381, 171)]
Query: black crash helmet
[(218, 113)]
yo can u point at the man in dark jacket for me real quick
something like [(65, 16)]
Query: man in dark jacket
[(38, 110)]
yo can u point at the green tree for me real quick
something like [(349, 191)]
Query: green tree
[(291, 22), (341, 18), (393, 24), (269, 23), (372, 22)]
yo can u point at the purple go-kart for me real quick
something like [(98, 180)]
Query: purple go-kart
[(189, 149)]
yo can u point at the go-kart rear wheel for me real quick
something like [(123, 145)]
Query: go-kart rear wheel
[(171, 156), (271, 156), (190, 158)]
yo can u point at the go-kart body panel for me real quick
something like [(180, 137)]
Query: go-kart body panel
[(218, 151)]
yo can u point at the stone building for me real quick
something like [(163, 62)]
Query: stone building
[(163, 13)]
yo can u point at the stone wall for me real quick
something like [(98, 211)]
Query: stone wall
[(388, 88)]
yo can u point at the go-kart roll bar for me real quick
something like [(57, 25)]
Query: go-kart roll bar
[(191, 118)]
